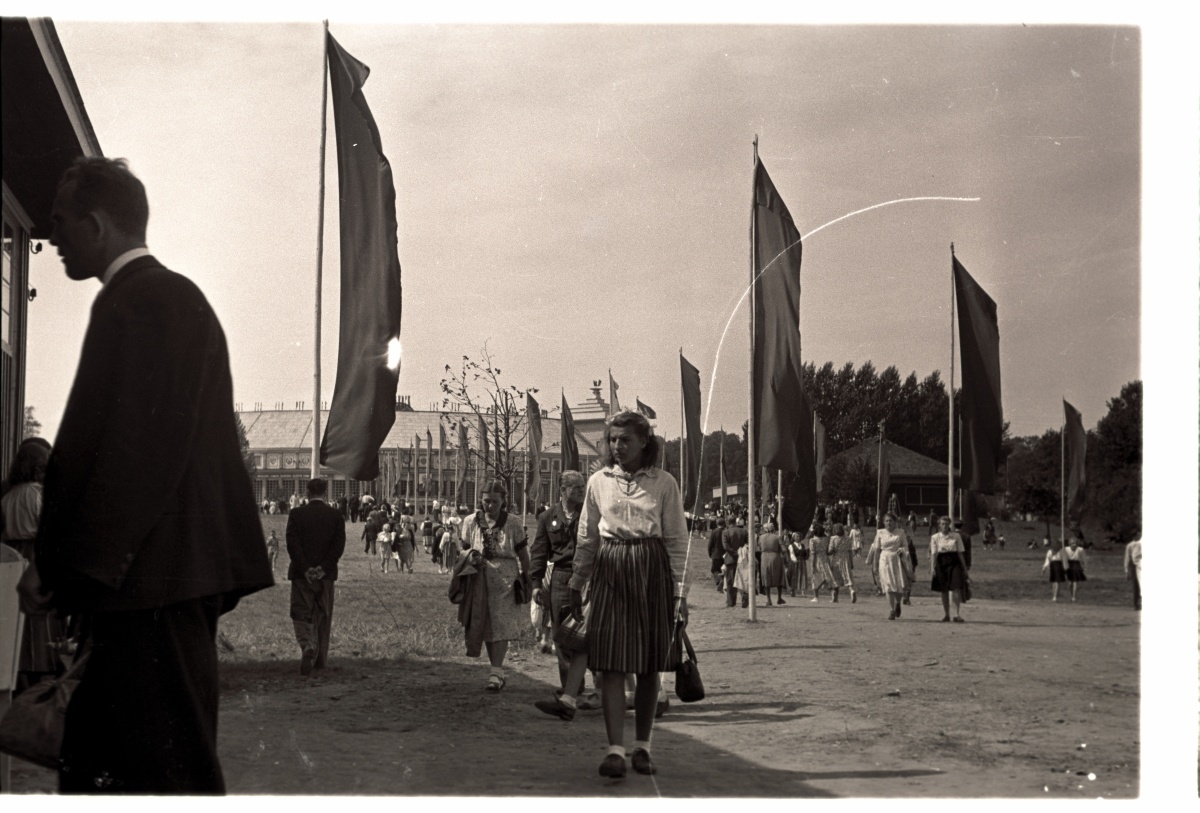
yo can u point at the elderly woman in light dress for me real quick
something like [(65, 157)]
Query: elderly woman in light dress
[(890, 552)]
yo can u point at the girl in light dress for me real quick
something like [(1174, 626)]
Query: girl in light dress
[(818, 557), (1074, 558), (841, 562), (890, 550), (1058, 573), (384, 543)]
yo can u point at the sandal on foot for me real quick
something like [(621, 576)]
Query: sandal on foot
[(613, 766), (959, 620), (641, 762), (496, 683)]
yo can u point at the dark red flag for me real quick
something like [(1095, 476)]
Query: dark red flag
[(364, 395), (979, 351), (777, 387), (570, 449), (1075, 443), (693, 436)]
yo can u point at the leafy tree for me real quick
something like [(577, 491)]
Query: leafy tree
[(853, 479), (476, 389), (1115, 465), (32, 426), (244, 446)]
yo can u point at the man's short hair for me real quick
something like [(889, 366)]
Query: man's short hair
[(569, 478), (316, 487), (106, 184)]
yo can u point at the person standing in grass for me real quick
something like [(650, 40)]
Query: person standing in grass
[(386, 544), (499, 539), (1133, 568), (841, 562), (1075, 558), (630, 555), (1058, 573), (772, 562)]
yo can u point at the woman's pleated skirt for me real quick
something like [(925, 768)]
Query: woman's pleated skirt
[(1075, 572), (630, 623), (1057, 573), (948, 573)]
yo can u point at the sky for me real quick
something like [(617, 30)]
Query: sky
[(576, 198)]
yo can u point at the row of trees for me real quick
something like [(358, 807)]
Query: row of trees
[(1113, 497)]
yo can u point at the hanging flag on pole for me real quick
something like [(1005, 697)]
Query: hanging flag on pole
[(800, 487), (819, 449), (885, 476), (777, 384), (533, 413), (462, 462), (368, 370), (724, 487), (1075, 445), (692, 434), (979, 352), (614, 406), (487, 454), (442, 459), (411, 490), (569, 448), (649, 413)]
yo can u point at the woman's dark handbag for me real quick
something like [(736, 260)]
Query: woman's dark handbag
[(571, 634), (688, 686), (32, 728)]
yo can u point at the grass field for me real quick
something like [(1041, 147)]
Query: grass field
[(396, 616)]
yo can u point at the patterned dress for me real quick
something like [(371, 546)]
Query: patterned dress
[(841, 561), (499, 544), (890, 550), (818, 558), (772, 560)]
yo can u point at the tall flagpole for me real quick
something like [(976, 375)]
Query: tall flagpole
[(751, 450), (316, 439), (950, 444), (682, 439), (1062, 488)]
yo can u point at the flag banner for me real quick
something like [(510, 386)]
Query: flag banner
[(777, 384), (420, 478), (724, 486), (614, 405), (363, 408), (970, 515), (533, 487), (645, 410), (462, 461), (567, 444), (819, 449), (691, 423), (487, 453), (800, 487), (411, 488), (1075, 442), (442, 449), (979, 352), (885, 475)]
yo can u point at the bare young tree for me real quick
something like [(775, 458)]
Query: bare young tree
[(478, 397)]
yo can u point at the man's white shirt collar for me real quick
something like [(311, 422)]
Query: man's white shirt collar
[(122, 261)]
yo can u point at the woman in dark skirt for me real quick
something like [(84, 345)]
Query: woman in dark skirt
[(1058, 574), (948, 568), (1074, 558), (630, 557)]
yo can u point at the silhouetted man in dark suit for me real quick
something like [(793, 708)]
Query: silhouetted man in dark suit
[(316, 539), (149, 529)]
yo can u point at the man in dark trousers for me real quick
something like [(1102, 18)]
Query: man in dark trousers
[(716, 553), (149, 531), (316, 539), (733, 540), (554, 543)]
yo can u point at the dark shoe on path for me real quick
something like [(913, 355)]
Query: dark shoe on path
[(959, 620), (613, 767), (892, 615), (945, 619), (306, 662), (556, 708), (641, 762)]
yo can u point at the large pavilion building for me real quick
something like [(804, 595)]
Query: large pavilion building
[(414, 464)]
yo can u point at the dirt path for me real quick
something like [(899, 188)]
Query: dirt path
[(1027, 699)]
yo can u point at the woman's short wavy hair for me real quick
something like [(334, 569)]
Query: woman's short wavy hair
[(641, 426)]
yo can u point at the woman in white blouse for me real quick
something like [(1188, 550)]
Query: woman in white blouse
[(630, 555), (948, 567)]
